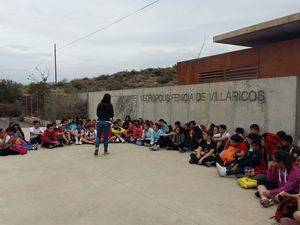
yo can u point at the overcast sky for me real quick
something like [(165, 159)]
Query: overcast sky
[(163, 34)]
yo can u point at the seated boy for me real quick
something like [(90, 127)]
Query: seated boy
[(287, 145), (250, 160), (195, 136), (222, 137), (229, 154), (36, 133), (206, 152), (50, 138), (118, 132), (79, 133)]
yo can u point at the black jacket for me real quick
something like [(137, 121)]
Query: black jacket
[(105, 112)]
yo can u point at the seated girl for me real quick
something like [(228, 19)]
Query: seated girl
[(206, 152), (155, 137), (146, 136), (292, 216), (50, 138), (137, 133), (249, 161), (282, 176), (8, 145), (18, 134)]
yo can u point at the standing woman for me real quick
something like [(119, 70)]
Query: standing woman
[(105, 113)]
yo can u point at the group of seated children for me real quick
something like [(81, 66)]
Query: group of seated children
[(270, 159), (77, 132)]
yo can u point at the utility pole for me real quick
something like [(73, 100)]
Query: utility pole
[(55, 65)]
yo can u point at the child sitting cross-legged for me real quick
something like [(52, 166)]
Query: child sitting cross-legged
[(118, 132), (90, 135), (50, 138), (146, 136), (282, 176), (206, 152), (79, 133), (249, 161)]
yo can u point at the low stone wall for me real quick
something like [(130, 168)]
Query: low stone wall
[(270, 103)]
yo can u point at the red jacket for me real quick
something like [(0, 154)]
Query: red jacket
[(50, 137), (272, 142), (137, 133), (242, 147)]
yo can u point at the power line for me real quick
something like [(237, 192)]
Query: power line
[(96, 31), (108, 25)]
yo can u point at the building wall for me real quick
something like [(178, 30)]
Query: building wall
[(270, 103), (278, 59)]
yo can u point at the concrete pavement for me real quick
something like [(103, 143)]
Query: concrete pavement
[(131, 186)]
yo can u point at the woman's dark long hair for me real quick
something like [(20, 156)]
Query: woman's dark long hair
[(285, 158), (106, 99)]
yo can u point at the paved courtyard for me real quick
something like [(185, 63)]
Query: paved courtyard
[(131, 186)]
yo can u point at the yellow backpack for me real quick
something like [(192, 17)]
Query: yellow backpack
[(246, 182)]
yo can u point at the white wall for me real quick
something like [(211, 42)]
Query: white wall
[(276, 111)]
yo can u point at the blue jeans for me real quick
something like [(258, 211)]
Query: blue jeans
[(103, 127)]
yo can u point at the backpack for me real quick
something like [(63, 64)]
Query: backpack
[(286, 208), (246, 182)]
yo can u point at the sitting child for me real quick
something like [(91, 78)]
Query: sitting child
[(129, 131), (154, 146), (282, 176), (50, 138), (90, 135), (118, 132), (63, 134), (79, 133), (249, 161), (146, 136), (206, 152), (137, 133), (292, 216), (287, 145), (178, 140), (228, 155), (8, 145), (36, 133), (222, 137), (195, 136)]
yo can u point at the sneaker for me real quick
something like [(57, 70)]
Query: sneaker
[(266, 203), (80, 142), (96, 152), (106, 153), (221, 170), (51, 146), (76, 143), (35, 147)]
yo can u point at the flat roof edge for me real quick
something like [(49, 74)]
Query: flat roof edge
[(257, 27)]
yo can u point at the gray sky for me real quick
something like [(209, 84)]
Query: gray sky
[(168, 32)]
